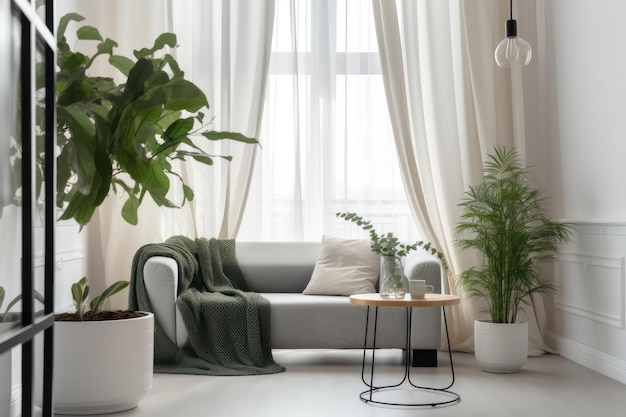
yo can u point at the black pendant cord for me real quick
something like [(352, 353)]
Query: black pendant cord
[(511, 24)]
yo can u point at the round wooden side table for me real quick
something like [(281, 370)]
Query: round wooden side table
[(430, 300)]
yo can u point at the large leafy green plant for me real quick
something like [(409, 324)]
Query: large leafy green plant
[(124, 137), (503, 218)]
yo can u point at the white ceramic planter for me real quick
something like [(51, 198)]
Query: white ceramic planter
[(102, 366), (501, 347)]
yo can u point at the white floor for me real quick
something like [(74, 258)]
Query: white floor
[(328, 383)]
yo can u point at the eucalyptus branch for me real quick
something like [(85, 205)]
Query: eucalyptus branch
[(388, 244)]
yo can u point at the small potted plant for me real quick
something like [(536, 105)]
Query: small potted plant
[(102, 358), (503, 219), (392, 280)]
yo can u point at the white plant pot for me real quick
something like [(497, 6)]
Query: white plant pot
[(501, 347), (102, 366)]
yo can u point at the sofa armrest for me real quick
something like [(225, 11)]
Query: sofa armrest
[(160, 275), (422, 265)]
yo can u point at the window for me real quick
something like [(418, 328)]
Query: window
[(27, 213), (326, 141)]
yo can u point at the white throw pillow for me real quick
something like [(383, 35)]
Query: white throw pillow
[(344, 267)]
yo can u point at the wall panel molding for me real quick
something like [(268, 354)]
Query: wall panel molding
[(590, 308), (69, 265), (592, 287)]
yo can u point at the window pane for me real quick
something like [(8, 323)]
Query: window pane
[(326, 140), (11, 180)]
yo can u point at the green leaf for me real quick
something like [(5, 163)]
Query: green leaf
[(214, 135), (97, 302), (81, 161), (167, 118), (171, 62), (80, 291), (106, 47), (88, 33), (200, 157), (13, 302), (138, 75), (188, 192), (162, 201), (104, 167), (65, 20), (72, 61), (79, 208), (129, 210), (160, 42), (184, 95), (74, 92), (122, 63), (75, 120), (179, 129)]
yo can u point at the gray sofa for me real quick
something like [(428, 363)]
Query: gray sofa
[(280, 272)]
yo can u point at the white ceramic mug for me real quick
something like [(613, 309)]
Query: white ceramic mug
[(418, 288)]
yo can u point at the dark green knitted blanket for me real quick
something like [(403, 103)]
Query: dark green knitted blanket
[(228, 326)]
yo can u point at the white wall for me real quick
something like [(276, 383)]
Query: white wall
[(585, 89)]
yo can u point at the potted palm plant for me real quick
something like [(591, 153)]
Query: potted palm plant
[(503, 218)]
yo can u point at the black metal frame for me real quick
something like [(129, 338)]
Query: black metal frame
[(35, 32), (368, 395)]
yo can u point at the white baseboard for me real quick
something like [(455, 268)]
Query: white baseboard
[(591, 358)]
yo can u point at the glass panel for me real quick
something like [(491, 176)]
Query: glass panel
[(38, 386), (10, 183), (5, 384), (39, 237), (41, 9)]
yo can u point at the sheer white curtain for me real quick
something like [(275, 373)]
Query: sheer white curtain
[(450, 105), (224, 48), (326, 140)]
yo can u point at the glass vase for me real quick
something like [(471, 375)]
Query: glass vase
[(392, 280)]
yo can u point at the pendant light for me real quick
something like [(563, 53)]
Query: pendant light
[(512, 51)]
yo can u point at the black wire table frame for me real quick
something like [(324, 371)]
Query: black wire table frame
[(368, 396)]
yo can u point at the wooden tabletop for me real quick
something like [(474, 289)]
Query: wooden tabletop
[(429, 300)]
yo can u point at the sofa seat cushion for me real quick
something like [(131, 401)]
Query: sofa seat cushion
[(319, 321)]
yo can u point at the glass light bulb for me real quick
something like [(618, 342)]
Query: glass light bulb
[(513, 51)]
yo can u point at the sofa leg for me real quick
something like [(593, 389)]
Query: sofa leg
[(424, 358)]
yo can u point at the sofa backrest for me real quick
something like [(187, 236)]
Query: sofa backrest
[(277, 266)]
